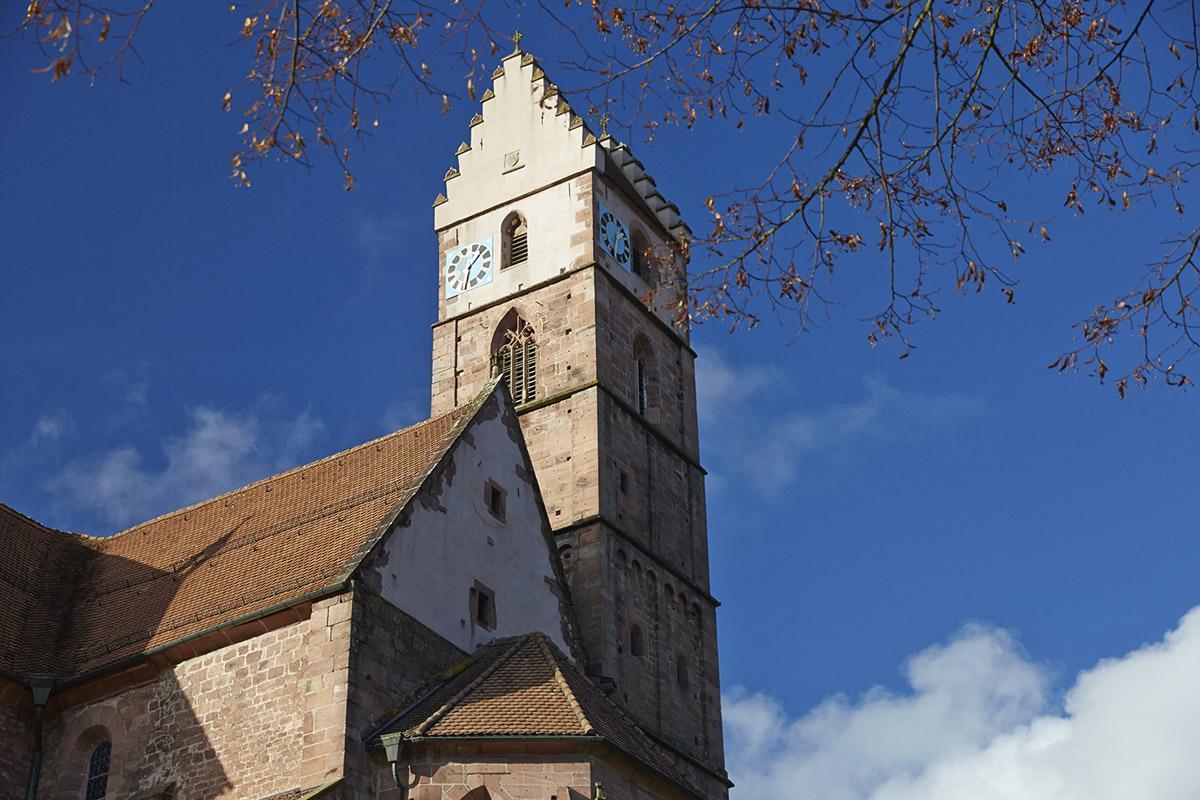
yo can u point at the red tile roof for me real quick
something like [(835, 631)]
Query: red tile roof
[(71, 604), (524, 687)]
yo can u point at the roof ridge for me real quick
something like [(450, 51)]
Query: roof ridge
[(560, 679), (22, 515), (268, 478), (445, 708)]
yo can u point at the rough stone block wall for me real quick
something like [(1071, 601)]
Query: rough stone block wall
[(562, 314), (622, 322), (469, 770), (622, 779), (564, 447), (392, 656), (264, 715), (619, 587), (652, 493), (16, 738), (586, 561)]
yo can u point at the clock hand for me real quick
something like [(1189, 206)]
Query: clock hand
[(467, 272)]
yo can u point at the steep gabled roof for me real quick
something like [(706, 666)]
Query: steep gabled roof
[(525, 687), (71, 604)]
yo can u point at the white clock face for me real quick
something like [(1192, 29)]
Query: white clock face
[(468, 267), (614, 238)]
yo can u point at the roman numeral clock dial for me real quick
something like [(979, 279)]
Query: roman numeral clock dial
[(468, 267)]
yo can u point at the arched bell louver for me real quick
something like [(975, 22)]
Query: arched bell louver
[(637, 253), (515, 357), (514, 241)]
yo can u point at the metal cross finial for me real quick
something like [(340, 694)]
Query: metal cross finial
[(517, 37), (604, 120)]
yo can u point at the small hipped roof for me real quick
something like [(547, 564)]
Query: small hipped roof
[(525, 687)]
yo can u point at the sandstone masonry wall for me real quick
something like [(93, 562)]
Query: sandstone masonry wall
[(470, 770), (16, 738), (247, 720), (392, 656)]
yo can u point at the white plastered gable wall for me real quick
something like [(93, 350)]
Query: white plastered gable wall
[(428, 563)]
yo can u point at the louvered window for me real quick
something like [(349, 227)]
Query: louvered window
[(517, 361), (97, 776), (516, 241), (637, 261), (520, 246)]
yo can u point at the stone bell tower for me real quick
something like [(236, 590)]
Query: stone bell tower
[(561, 265)]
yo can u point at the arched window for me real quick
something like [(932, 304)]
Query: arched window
[(637, 261), (643, 365), (681, 672), (97, 774), (514, 240), (637, 645), (514, 351)]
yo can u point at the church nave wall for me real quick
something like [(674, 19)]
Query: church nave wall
[(249, 719)]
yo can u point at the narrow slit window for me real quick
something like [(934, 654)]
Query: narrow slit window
[(642, 368), (643, 391), (681, 672), (483, 606), (97, 775)]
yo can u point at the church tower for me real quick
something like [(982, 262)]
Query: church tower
[(561, 266)]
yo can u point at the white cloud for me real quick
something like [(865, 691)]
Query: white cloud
[(770, 443), (402, 413), (44, 442), (49, 428), (978, 724), (219, 451)]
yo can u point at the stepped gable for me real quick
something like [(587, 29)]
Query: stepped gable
[(71, 604), (524, 687), (555, 137)]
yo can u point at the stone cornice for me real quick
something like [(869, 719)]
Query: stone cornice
[(646, 424), (602, 519)]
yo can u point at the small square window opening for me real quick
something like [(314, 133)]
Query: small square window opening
[(483, 606), (496, 501)]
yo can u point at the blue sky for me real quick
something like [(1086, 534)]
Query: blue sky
[(166, 336)]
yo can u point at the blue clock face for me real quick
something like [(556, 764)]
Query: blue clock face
[(614, 238), (468, 267)]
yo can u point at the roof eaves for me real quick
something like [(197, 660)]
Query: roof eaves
[(133, 658)]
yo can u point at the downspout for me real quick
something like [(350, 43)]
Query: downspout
[(41, 686), (392, 748)]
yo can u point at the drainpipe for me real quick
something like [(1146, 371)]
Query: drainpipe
[(41, 686), (392, 750)]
